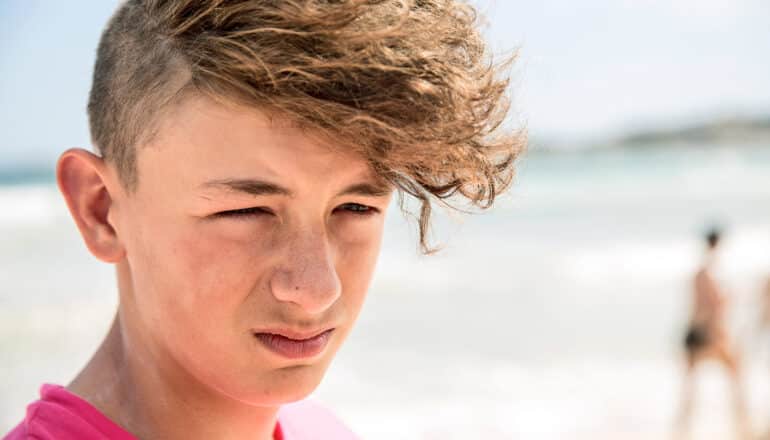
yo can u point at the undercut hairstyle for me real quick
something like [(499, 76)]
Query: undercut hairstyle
[(409, 85)]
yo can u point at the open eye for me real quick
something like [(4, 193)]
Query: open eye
[(357, 208), (244, 213)]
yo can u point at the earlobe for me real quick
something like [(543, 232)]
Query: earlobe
[(83, 180)]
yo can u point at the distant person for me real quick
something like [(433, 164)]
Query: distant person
[(764, 332), (763, 327), (764, 319), (707, 337)]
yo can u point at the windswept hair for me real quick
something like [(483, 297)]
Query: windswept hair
[(409, 85)]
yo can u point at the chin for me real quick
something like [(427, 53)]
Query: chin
[(281, 386), (296, 383)]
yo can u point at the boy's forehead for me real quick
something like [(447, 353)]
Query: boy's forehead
[(198, 122), (195, 108), (219, 141)]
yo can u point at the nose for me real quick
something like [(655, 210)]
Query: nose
[(307, 275)]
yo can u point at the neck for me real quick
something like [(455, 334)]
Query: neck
[(150, 395)]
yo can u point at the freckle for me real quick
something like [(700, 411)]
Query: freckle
[(296, 287)]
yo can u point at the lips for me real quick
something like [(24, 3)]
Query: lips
[(292, 345)]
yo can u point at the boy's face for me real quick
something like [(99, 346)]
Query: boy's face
[(249, 250)]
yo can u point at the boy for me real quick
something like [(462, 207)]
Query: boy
[(248, 150)]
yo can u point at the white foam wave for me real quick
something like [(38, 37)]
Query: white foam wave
[(30, 206)]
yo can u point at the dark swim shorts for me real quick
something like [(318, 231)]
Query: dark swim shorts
[(697, 337)]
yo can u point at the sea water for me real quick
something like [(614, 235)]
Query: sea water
[(557, 314)]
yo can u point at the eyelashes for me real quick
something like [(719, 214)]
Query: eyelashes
[(243, 213), (356, 209)]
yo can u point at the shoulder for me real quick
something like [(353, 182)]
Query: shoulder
[(21, 431), (61, 415), (308, 420), (35, 423)]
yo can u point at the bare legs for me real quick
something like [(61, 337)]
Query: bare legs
[(729, 359)]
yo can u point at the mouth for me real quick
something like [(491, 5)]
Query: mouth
[(293, 345)]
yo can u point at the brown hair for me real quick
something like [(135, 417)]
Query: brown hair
[(407, 84)]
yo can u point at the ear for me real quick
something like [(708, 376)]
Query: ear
[(85, 181)]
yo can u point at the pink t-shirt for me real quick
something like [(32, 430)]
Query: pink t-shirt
[(61, 415)]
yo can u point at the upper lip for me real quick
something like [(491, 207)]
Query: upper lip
[(297, 335)]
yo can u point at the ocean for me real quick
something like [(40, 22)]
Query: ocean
[(558, 314)]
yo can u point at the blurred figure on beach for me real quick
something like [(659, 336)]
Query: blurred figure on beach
[(764, 320), (763, 338), (763, 327), (707, 338)]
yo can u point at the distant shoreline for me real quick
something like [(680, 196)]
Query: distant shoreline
[(728, 132), (27, 174), (736, 132)]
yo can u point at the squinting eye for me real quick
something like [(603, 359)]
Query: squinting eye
[(243, 213), (357, 208)]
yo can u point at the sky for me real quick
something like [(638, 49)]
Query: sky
[(585, 70)]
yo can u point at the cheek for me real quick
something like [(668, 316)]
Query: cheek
[(357, 259), (195, 276), (216, 272)]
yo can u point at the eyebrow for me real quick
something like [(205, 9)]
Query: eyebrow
[(249, 186), (366, 190), (256, 187)]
